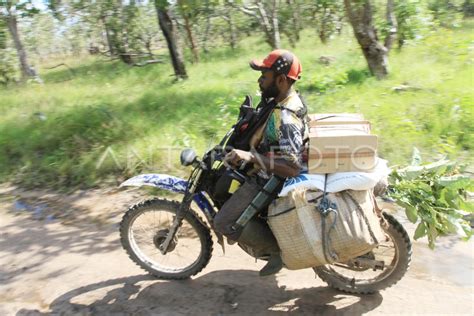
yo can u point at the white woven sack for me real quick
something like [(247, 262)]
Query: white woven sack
[(299, 231), (337, 182)]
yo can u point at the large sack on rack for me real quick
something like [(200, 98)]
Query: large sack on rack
[(298, 227)]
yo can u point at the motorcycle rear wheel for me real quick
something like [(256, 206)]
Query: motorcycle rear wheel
[(358, 280), (145, 226)]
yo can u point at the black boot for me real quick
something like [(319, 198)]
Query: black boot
[(258, 236), (274, 265)]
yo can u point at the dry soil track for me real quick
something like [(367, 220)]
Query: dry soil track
[(73, 264)]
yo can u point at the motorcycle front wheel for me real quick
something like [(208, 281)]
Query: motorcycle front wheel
[(381, 268), (144, 228)]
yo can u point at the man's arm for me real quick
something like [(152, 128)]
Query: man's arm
[(287, 164), (280, 167)]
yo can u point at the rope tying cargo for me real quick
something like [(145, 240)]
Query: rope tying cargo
[(325, 208)]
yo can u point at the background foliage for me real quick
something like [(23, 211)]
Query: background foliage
[(54, 133), (93, 92), (89, 104), (434, 196)]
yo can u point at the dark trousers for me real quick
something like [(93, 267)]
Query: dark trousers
[(234, 207)]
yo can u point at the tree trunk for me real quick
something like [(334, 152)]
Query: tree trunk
[(26, 70), (292, 31), (339, 25), (468, 8), (126, 58), (120, 48), (233, 37), (206, 34), (295, 16), (360, 17), (148, 46), (107, 36), (290, 38), (392, 23), (401, 42), (192, 41), (265, 24), (275, 26), (169, 32), (323, 36), (269, 24), (323, 30)]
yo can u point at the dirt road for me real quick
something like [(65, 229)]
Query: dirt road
[(61, 255)]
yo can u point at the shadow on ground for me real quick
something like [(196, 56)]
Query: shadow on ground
[(216, 293), (34, 242)]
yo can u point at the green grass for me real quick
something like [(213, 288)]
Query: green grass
[(106, 121)]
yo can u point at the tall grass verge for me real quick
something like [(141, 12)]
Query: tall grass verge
[(105, 121)]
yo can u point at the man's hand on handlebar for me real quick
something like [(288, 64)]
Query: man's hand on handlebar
[(238, 158)]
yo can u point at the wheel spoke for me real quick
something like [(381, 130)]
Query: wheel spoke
[(151, 226)]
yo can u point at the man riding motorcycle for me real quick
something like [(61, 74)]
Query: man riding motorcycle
[(276, 148), (233, 185)]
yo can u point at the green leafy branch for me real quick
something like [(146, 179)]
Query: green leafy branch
[(435, 196)]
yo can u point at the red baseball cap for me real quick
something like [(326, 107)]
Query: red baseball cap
[(281, 61)]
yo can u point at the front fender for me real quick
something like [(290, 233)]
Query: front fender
[(161, 181), (173, 184)]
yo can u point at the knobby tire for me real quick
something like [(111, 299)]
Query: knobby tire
[(172, 206)]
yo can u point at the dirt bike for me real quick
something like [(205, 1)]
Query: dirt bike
[(171, 241)]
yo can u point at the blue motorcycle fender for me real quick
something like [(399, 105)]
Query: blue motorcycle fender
[(173, 184), (160, 181)]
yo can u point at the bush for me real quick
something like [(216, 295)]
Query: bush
[(468, 8), (434, 196), (447, 12), (7, 66)]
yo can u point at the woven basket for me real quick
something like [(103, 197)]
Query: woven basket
[(297, 226)]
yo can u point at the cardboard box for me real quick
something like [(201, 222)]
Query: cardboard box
[(338, 121), (338, 145), (328, 117)]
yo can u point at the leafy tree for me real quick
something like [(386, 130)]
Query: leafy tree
[(7, 68), (189, 11), (223, 21), (468, 8), (10, 11), (122, 25), (168, 27), (405, 10), (265, 14), (447, 12), (3, 34), (412, 20), (290, 20), (326, 16), (146, 28), (38, 39), (361, 16), (119, 20), (229, 16), (91, 15)]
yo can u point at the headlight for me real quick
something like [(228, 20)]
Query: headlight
[(188, 156)]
